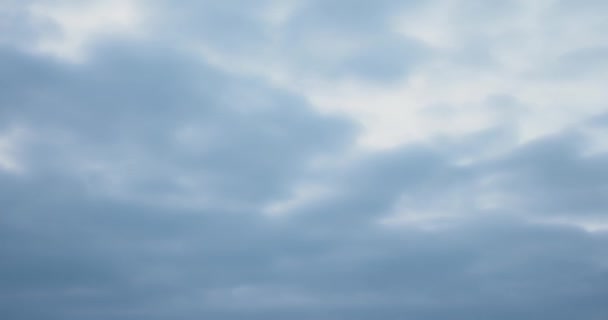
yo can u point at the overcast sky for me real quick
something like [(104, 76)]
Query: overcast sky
[(304, 159)]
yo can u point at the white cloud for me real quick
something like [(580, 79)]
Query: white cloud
[(9, 148), (79, 23)]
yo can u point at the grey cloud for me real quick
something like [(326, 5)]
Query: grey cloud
[(551, 177), (554, 176), (336, 39), (580, 63), (17, 26), (97, 226), (132, 104), (600, 120), (359, 16), (585, 6), (115, 260), (380, 54)]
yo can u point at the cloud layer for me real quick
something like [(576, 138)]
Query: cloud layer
[(303, 160)]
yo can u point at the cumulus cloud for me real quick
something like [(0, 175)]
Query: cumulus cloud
[(303, 160)]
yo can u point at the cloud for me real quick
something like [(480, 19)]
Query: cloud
[(200, 169), (406, 58), (312, 39)]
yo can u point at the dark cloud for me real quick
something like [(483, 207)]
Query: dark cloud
[(73, 257)]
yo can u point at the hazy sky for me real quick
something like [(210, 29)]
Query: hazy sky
[(304, 159)]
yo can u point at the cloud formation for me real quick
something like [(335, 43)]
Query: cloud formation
[(303, 160)]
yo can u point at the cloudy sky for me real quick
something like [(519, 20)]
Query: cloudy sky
[(303, 159)]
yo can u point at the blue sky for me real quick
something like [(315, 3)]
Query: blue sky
[(303, 159)]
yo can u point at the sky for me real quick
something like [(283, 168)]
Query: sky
[(303, 159)]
